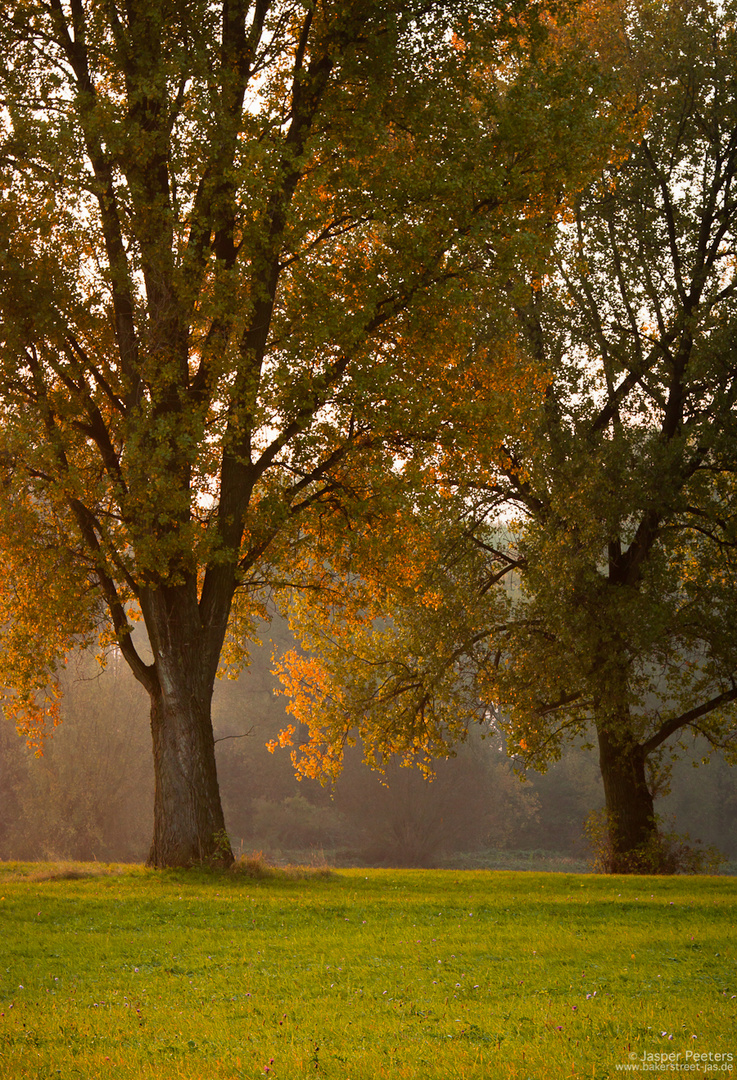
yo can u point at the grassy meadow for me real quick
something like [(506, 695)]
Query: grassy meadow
[(123, 972)]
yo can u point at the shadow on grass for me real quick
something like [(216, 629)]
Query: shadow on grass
[(64, 871), (250, 867)]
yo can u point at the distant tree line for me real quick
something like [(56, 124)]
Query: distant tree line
[(91, 794)]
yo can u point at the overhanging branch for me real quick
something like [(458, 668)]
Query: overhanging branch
[(671, 726)]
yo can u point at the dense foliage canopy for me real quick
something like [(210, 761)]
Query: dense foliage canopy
[(243, 251), (579, 544)]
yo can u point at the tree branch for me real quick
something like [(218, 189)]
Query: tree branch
[(671, 726)]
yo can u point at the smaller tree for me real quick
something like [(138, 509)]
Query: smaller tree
[(629, 495), (577, 568)]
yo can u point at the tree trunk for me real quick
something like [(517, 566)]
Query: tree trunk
[(631, 816), (189, 826)]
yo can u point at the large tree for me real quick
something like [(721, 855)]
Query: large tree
[(236, 237), (580, 570)]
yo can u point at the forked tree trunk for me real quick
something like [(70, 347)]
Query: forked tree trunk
[(630, 811), (189, 826)]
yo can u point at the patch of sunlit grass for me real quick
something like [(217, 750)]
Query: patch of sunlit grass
[(411, 974)]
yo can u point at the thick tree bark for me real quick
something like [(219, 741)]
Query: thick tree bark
[(189, 826), (629, 803)]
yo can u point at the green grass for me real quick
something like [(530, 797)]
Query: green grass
[(360, 974)]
